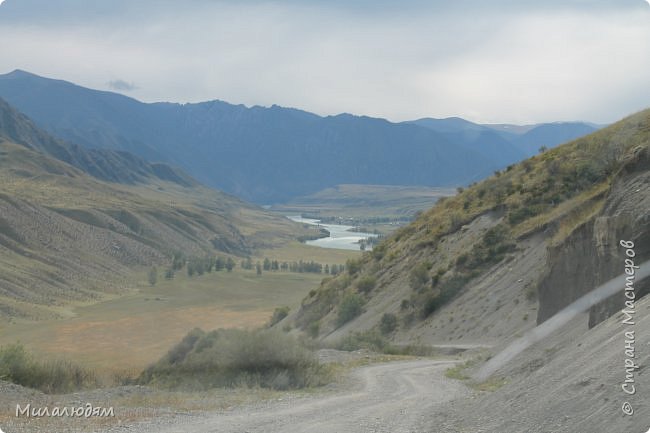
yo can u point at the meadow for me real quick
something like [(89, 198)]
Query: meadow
[(123, 334)]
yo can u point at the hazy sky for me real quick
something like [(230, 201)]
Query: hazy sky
[(489, 61)]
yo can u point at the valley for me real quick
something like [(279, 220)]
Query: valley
[(180, 241)]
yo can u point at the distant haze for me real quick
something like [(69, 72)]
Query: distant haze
[(504, 61)]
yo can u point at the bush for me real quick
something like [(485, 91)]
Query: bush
[(233, 357), (388, 323), (279, 314), (353, 266), (351, 306), (313, 329), (448, 290), (419, 276), (366, 284), (369, 340), (49, 376)]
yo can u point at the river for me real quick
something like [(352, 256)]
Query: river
[(341, 236)]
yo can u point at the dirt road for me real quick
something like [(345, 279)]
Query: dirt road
[(393, 397)]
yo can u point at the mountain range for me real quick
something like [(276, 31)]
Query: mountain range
[(273, 154)]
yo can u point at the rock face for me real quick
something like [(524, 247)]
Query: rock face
[(592, 254)]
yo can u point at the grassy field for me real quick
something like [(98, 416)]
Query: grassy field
[(367, 201), (125, 333), (295, 251)]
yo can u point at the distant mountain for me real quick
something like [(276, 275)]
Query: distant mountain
[(513, 142), (552, 134), (262, 154), (267, 155), (479, 138)]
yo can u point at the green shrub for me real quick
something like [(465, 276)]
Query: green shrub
[(379, 251), (369, 340), (49, 376), (351, 306), (388, 323), (353, 266), (232, 357), (366, 284), (279, 314), (313, 329), (419, 276), (448, 290)]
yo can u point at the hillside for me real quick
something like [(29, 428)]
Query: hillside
[(505, 253), (68, 234), (266, 155)]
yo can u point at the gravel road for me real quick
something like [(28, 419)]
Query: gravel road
[(393, 397)]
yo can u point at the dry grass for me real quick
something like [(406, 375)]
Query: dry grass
[(130, 331)]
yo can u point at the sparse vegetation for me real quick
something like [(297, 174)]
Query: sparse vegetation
[(230, 358)]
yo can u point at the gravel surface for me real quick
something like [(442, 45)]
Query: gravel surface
[(393, 397)]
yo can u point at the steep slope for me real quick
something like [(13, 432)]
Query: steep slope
[(470, 269), (266, 155), (67, 236), (569, 382)]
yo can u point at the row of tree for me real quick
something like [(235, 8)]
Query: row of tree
[(201, 265), (295, 266)]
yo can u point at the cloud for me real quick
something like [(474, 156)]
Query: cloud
[(493, 64), (121, 86)]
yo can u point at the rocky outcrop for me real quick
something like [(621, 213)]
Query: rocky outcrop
[(592, 254)]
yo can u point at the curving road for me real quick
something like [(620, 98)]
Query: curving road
[(393, 397)]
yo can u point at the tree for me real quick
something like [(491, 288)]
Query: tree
[(178, 260), (153, 276), (543, 149), (258, 268), (267, 264), (169, 274), (230, 264)]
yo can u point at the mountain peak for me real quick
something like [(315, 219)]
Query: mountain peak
[(18, 73)]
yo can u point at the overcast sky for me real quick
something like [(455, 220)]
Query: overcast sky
[(488, 61)]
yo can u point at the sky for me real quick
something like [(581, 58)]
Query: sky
[(500, 61)]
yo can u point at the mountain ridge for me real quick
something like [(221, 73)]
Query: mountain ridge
[(266, 155)]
